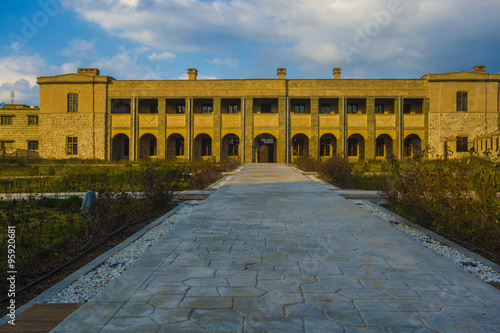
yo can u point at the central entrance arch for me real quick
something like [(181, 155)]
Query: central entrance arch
[(264, 149)]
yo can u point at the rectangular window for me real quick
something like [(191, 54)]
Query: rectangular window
[(206, 147), (325, 109), (300, 108), (407, 108), (6, 120), (461, 101), (72, 102), (120, 106), (181, 109), (32, 145), (352, 147), (233, 147), (206, 108), (232, 108), (463, 143), (179, 147), (325, 147), (298, 147), (32, 120), (72, 145), (265, 108), (379, 108), (352, 108)]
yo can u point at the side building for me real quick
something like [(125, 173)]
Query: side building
[(88, 115)]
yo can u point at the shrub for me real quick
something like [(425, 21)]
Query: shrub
[(451, 196), (339, 171)]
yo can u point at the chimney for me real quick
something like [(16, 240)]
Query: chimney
[(479, 69), (336, 73), (281, 73), (88, 71), (192, 73)]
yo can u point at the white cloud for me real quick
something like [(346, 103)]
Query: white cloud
[(162, 56), (80, 48), (307, 31), (231, 62)]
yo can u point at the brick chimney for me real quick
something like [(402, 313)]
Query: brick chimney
[(336, 73), (281, 73), (88, 71), (479, 69), (192, 73)]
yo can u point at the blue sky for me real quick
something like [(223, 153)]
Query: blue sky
[(224, 39)]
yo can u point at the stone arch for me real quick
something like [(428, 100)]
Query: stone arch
[(202, 146), (148, 146), (356, 146), (412, 146), (230, 146), (384, 146), (300, 145), (176, 146), (327, 145), (120, 147), (264, 148)]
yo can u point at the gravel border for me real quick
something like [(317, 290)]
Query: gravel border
[(467, 260)]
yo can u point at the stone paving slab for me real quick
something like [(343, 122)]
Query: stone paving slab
[(274, 251)]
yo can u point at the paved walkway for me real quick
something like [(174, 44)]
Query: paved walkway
[(273, 251)]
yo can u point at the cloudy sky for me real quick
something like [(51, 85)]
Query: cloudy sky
[(160, 39)]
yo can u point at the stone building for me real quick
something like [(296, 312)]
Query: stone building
[(88, 115)]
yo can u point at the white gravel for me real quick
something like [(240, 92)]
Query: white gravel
[(471, 265), (94, 281)]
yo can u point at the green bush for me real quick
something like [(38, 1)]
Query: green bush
[(456, 197)]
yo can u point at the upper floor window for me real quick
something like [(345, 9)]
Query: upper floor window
[(120, 106), (232, 108), (379, 108), (72, 145), (265, 108), (206, 108), (180, 109), (407, 108), (463, 143), (300, 108), (461, 101), (352, 108), (72, 102), (325, 109), (32, 120), (6, 120)]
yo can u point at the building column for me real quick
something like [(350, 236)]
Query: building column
[(135, 131), (371, 133), (109, 137), (424, 142), (283, 137), (342, 141), (162, 129), (399, 102), (242, 138), (216, 140), (314, 139), (188, 143), (248, 133)]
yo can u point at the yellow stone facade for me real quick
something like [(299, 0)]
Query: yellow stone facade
[(88, 115)]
